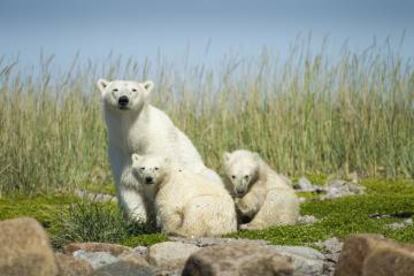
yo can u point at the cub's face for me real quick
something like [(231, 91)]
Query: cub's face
[(242, 172), (149, 169), (124, 95)]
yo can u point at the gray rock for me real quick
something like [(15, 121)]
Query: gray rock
[(395, 260), (400, 225), (135, 259), (25, 249), (331, 248), (307, 219), (113, 249), (208, 241), (332, 245), (71, 266), (238, 259), (355, 251), (170, 255), (305, 260), (125, 268), (139, 251), (340, 188), (96, 259), (304, 185), (396, 225)]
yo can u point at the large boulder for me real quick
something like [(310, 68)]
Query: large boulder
[(356, 248), (390, 261), (113, 249), (70, 266), (125, 268), (238, 259), (170, 255), (305, 260), (25, 249), (374, 255), (95, 259), (208, 241)]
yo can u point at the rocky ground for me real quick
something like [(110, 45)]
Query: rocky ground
[(323, 237), (25, 250)]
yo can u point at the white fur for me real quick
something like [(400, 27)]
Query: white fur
[(144, 129), (261, 194), (186, 204)]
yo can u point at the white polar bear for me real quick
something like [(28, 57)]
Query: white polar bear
[(262, 196), (186, 204), (135, 126)]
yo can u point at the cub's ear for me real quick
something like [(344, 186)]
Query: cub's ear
[(136, 157), (102, 84), (226, 157), (148, 85), (256, 156)]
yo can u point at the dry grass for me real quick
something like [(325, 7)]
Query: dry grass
[(306, 114)]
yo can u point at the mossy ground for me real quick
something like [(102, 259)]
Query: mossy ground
[(68, 218)]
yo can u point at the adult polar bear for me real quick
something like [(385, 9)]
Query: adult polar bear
[(135, 126)]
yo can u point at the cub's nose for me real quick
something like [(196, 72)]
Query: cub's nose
[(240, 191), (149, 180), (123, 101)]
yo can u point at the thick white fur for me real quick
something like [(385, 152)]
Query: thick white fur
[(144, 129), (186, 204), (261, 194)]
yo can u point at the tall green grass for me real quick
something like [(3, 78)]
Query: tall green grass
[(305, 113)]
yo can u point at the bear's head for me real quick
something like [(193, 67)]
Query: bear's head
[(242, 170), (124, 95), (149, 169)]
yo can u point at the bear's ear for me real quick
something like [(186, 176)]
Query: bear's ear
[(102, 84), (256, 156), (136, 157), (148, 85), (226, 157)]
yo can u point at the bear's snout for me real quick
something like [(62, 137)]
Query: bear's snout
[(123, 101), (149, 180), (240, 191)]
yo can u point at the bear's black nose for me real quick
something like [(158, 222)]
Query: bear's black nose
[(123, 101), (148, 179), (240, 191)]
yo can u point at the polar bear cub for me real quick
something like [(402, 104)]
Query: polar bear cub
[(262, 196), (185, 203), (135, 126)]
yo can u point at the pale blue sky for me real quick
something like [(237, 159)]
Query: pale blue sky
[(140, 28)]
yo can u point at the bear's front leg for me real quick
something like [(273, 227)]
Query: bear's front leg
[(253, 225), (248, 206), (132, 204), (170, 218), (131, 197)]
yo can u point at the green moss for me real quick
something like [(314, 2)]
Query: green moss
[(106, 188), (344, 216), (68, 218), (45, 208)]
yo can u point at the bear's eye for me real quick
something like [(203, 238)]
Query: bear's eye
[(246, 177), (156, 168), (233, 177), (115, 90), (134, 90), (142, 168)]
